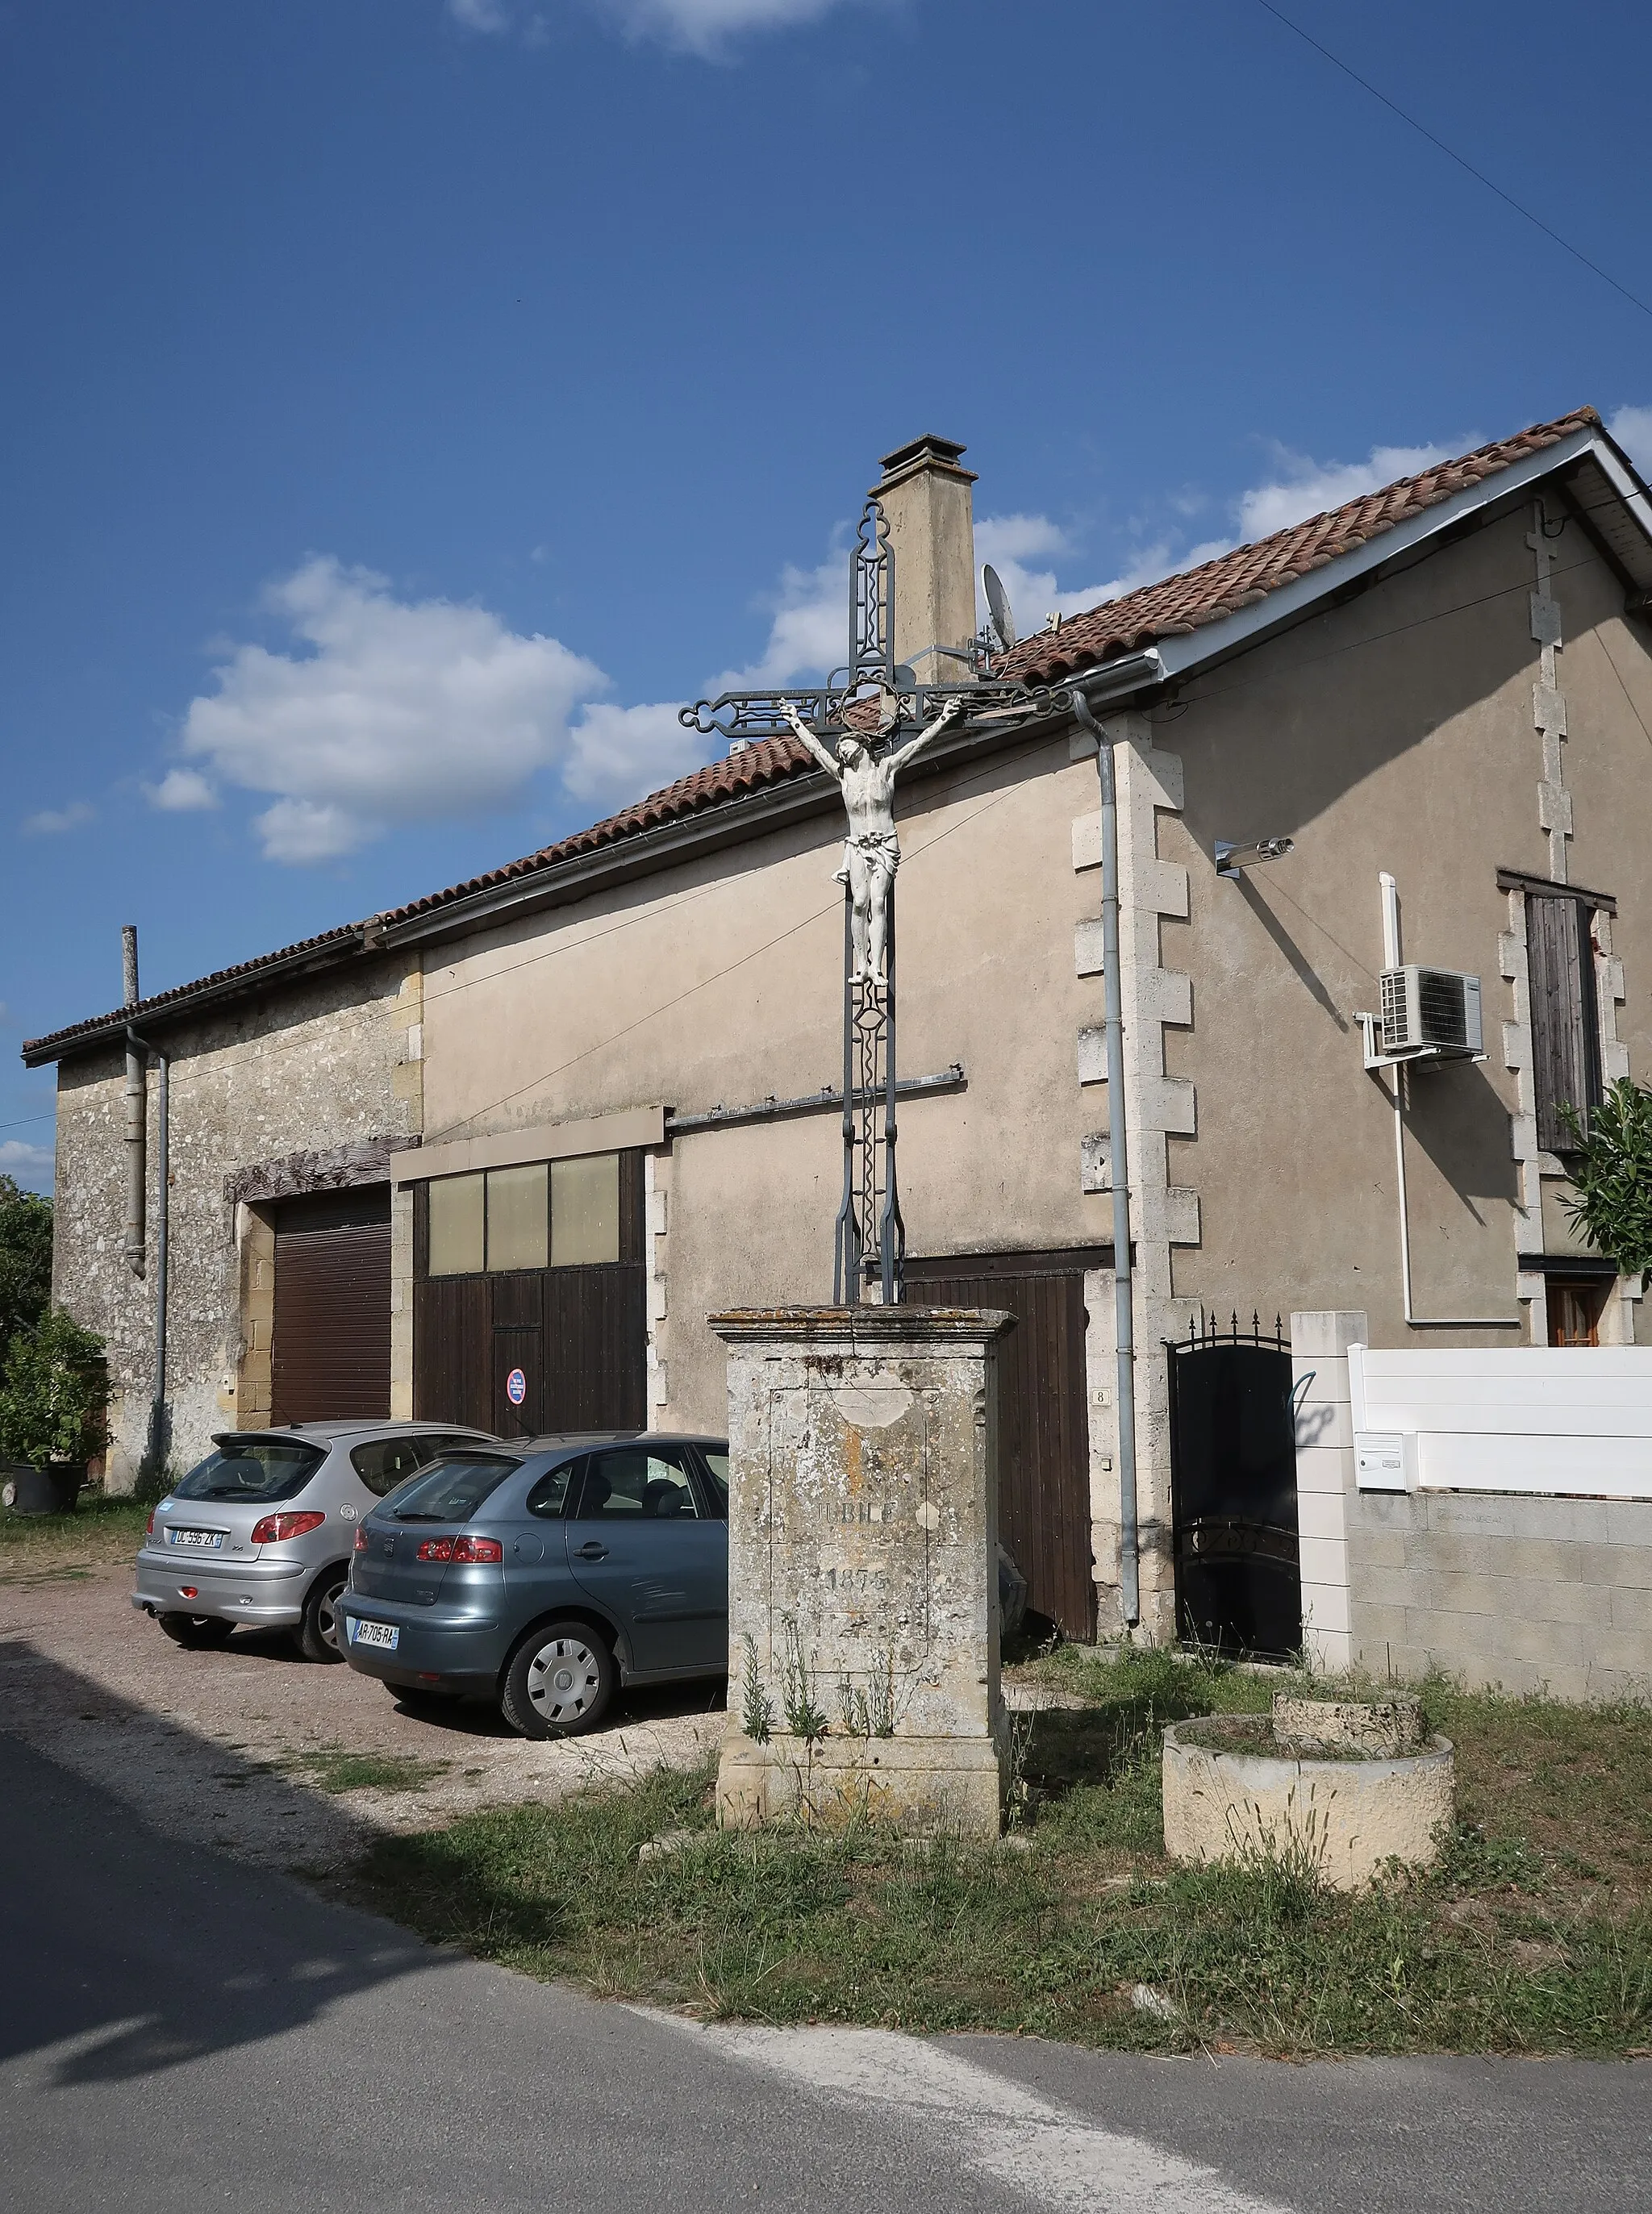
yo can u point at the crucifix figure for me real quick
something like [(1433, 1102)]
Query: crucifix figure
[(872, 852)]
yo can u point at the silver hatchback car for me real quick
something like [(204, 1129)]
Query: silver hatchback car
[(260, 1533)]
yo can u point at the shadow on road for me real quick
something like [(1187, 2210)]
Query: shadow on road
[(138, 1950)]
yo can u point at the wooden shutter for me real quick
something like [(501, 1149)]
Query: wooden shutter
[(1565, 1038), (331, 1339)]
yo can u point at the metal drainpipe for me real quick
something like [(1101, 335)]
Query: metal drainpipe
[(1130, 1573), (137, 1108), (157, 1438)]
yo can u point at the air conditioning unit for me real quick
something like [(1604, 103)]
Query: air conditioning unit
[(1430, 1010)]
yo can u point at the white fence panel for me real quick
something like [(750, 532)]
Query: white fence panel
[(1570, 1421)]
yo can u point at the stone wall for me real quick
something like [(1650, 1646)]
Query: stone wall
[(1532, 1593), (283, 1094)]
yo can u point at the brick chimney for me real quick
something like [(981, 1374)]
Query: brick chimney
[(926, 496)]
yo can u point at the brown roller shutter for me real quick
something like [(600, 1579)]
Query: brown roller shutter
[(331, 1352)]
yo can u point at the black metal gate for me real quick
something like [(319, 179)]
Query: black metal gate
[(1239, 1584)]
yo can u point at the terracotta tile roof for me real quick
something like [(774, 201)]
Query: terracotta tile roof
[(289, 956), (771, 761), (1184, 603), (1172, 608)]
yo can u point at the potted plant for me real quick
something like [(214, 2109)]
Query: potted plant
[(54, 1393)]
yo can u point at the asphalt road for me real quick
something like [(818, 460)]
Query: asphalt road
[(180, 2031)]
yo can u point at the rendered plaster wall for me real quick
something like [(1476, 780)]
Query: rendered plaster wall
[(1528, 1593), (1396, 732), (322, 1064), (717, 982)]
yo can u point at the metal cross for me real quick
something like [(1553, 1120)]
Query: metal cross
[(878, 704)]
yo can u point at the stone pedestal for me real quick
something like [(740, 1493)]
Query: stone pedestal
[(863, 1568)]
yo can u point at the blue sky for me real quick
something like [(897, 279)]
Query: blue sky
[(405, 403)]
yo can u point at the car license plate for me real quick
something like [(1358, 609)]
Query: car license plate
[(374, 1633), (199, 1541)]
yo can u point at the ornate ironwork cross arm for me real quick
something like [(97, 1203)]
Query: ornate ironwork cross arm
[(871, 673)]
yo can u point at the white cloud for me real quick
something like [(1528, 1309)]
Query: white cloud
[(50, 821), (387, 712), (617, 754), (33, 1166), (180, 790), (304, 830), (1305, 486), (696, 27), (1001, 538), (809, 634), (1632, 428)]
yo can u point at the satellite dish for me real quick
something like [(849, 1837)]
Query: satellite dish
[(998, 606), (906, 677)]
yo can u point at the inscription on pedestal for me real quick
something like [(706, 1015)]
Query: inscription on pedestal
[(863, 1557)]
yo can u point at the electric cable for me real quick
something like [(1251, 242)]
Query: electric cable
[(1451, 153)]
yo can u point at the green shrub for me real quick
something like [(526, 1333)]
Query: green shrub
[(1611, 1164), (25, 1260), (54, 1392)]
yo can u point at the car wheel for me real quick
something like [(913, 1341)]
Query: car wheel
[(197, 1632), (559, 1683), (318, 1633)]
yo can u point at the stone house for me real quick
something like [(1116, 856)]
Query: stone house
[(537, 1126)]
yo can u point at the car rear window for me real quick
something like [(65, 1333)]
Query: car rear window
[(385, 1462), (454, 1489), (252, 1469)]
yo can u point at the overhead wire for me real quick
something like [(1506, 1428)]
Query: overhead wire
[(1451, 154), (262, 1050), (833, 907)]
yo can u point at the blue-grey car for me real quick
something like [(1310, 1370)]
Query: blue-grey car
[(544, 1577)]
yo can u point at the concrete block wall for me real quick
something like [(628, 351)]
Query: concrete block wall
[(1530, 1593)]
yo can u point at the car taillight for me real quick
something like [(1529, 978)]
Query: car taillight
[(361, 1538), (149, 1527), (436, 1549), (478, 1549), (276, 1529)]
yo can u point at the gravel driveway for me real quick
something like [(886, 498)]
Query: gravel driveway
[(242, 1749)]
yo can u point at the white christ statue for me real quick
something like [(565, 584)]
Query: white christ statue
[(872, 852)]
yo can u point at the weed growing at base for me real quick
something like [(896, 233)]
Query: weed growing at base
[(1535, 1935), (99, 1530), (335, 1770)]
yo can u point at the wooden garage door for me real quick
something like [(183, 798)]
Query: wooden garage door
[(331, 1350), (578, 1336), (1044, 1439)]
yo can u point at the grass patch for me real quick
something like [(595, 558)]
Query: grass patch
[(1535, 1936), (58, 1548), (336, 1770)]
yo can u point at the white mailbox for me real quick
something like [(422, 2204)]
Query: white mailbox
[(1379, 1460)]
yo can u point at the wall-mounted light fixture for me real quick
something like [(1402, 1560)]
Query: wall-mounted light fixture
[(1231, 859)]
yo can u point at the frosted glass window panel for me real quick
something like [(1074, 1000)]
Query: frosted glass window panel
[(516, 1224), (585, 1210), (455, 1227)]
